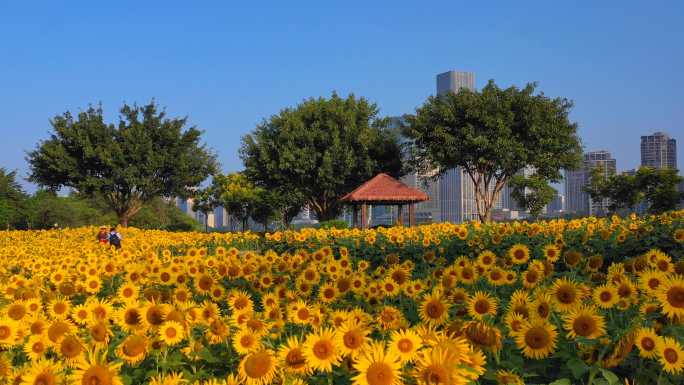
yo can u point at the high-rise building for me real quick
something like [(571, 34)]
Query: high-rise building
[(659, 151), (557, 204), (456, 191), (454, 81), (577, 200)]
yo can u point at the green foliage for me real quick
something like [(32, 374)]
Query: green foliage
[(656, 187), (12, 200), (333, 224), (320, 150), (660, 188), (45, 209), (236, 194), (145, 155), (492, 135), (531, 192), (159, 214), (205, 202)]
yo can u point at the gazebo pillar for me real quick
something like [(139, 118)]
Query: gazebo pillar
[(400, 220), (363, 215), (355, 215), (412, 214)]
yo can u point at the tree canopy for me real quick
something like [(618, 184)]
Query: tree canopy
[(146, 155), (321, 149), (12, 199), (657, 188), (492, 135)]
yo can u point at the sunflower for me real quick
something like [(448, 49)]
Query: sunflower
[(128, 292), (670, 355), (217, 332), (551, 252), (327, 293), (153, 315), (240, 301), (507, 377), (171, 333), (9, 330), (433, 310), (377, 367), (93, 285), (58, 329), (80, 314), (17, 311), (133, 349), (606, 296), (678, 235), (482, 335), (519, 253), (467, 274), (584, 322), (35, 347), (514, 321), (351, 338), (650, 281), (321, 351), (131, 318), (482, 304), (537, 339), (99, 333), (43, 372), (390, 317), (245, 341), (258, 368), (486, 259), (646, 341), (405, 344), (70, 349), (671, 297), (59, 308), (496, 276), (438, 366), (542, 306), (300, 312), (389, 287), (94, 369), (566, 294), (291, 357)]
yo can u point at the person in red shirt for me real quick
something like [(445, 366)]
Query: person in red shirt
[(103, 236)]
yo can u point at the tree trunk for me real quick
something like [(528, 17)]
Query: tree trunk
[(123, 219)]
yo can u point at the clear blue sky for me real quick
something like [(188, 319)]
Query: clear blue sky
[(227, 67)]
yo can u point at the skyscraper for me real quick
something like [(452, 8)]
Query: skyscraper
[(456, 192), (659, 151), (576, 200), (454, 81)]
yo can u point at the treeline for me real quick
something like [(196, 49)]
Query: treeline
[(45, 209)]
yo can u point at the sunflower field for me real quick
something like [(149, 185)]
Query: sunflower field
[(586, 301)]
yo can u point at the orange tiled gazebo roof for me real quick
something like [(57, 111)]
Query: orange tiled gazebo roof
[(382, 188)]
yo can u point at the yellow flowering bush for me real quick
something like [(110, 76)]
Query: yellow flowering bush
[(587, 301)]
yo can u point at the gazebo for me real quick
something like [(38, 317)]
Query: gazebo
[(383, 190)]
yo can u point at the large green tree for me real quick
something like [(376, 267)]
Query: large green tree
[(12, 200), (321, 149), (145, 155), (492, 135)]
